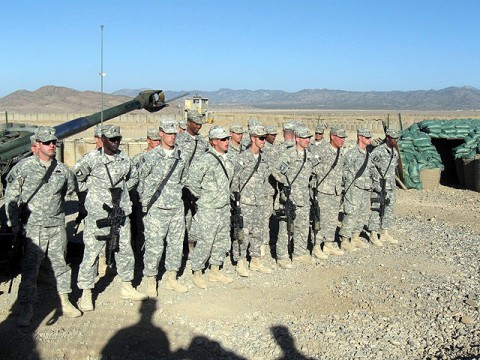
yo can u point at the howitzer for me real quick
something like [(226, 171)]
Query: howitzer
[(115, 220), (15, 140), (382, 200), (288, 211), (237, 221)]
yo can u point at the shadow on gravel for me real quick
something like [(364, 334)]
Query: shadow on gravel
[(144, 340), (287, 343), (19, 342)]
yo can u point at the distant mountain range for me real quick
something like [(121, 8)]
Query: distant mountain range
[(55, 99)]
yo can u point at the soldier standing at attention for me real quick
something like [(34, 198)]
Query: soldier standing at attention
[(328, 180), (292, 170), (209, 180), (252, 168), (319, 141), (236, 135), (270, 186), (99, 174), (160, 189), (192, 146), (38, 184), (358, 184), (288, 137), (153, 140), (384, 161)]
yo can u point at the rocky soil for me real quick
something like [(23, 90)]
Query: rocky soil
[(417, 299)]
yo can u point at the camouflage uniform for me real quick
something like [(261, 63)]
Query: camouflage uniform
[(252, 200), (211, 224), (45, 228), (356, 198), (383, 163), (92, 176), (165, 219), (290, 163), (329, 191), (192, 148)]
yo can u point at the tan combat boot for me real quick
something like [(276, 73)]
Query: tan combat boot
[(357, 242), (284, 263), (241, 268), (374, 239), (318, 253), (86, 303), (262, 250), (331, 248), (215, 275), (67, 308), (171, 282), (26, 315), (385, 236), (256, 265), (102, 266), (306, 259), (346, 245), (128, 292), (149, 285), (198, 280)]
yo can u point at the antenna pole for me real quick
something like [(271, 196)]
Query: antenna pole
[(102, 74)]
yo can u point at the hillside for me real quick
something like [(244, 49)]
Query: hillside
[(54, 99)]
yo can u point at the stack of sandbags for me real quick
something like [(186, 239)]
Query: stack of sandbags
[(470, 147), (448, 129), (417, 153)]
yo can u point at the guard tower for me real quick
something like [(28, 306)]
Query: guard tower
[(199, 104)]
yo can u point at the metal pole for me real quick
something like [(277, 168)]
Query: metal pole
[(102, 74)]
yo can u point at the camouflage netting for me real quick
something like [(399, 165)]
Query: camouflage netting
[(418, 153)]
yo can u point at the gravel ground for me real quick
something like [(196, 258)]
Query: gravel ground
[(417, 299)]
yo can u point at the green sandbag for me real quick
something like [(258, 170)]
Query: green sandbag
[(422, 142)]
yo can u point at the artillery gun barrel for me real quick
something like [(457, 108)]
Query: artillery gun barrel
[(151, 100)]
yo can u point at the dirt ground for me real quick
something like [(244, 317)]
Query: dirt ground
[(179, 324)]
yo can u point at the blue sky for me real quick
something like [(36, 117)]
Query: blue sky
[(207, 45)]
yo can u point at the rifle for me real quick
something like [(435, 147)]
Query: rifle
[(116, 219), (314, 213), (382, 200), (17, 247), (236, 219), (288, 211)]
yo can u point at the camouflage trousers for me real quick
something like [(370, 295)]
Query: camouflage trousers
[(253, 228), (211, 230), (41, 241), (267, 213), (163, 226), (374, 221), (124, 258), (355, 211), (300, 236), (329, 208)]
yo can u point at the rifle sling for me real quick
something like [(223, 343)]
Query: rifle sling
[(45, 179), (359, 173), (300, 170), (160, 187), (220, 162), (257, 165), (331, 168)]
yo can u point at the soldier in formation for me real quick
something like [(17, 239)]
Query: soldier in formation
[(358, 183), (384, 161), (236, 135), (35, 201), (209, 181), (213, 174), (162, 173), (250, 179), (107, 175)]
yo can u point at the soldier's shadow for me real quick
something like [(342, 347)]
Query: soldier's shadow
[(140, 341)]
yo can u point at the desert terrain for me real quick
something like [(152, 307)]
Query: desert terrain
[(417, 299)]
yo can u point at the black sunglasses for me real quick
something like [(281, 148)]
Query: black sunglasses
[(224, 139), (115, 139), (262, 138), (46, 143)]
